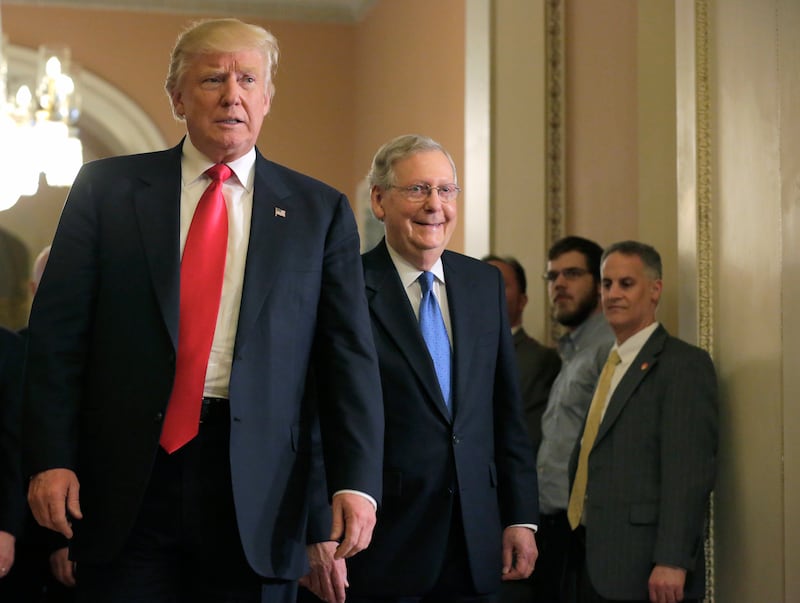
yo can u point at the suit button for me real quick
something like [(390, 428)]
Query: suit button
[(159, 417), (456, 439)]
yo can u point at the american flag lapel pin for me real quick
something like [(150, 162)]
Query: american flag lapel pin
[(280, 212)]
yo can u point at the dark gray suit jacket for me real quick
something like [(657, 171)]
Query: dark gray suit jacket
[(481, 457), (538, 367), (651, 470), (103, 339)]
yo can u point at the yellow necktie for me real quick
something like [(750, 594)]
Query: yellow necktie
[(578, 494)]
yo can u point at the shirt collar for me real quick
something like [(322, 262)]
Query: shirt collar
[(630, 348), (408, 273), (194, 164)]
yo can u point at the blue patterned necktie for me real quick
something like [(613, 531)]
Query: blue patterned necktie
[(434, 332)]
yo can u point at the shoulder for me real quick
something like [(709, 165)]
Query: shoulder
[(464, 264), (684, 352), (127, 163), (681, 356), (292, 179)]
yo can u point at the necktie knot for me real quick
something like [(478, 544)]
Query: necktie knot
[(219, 172)]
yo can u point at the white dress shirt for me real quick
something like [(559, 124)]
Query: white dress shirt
[(238, 193)]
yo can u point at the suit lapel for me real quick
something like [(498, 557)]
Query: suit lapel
[(267, 240), (464, 322), (157, 206), (390, 307), (641, 366)]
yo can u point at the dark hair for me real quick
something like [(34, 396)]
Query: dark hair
[(519, 271), (588, 248), (647, 253)]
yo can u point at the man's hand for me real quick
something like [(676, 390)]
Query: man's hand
[(519, 552), (62, 568), (666, 584), (7, 543), (328, 576), (53, 493), (353, 522)]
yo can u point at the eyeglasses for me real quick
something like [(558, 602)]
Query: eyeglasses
[(569, 273), (417, 193)]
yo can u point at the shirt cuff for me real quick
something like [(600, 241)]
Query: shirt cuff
[(359, 493), (530, 526)]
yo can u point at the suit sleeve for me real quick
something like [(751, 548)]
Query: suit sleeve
[(348, 381), (58, 335), (320, 518), (12, 498), (514, 457), (688, 457)]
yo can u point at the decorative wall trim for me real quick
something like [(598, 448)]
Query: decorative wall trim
[(556, 180), (555, 171), (705, 274)]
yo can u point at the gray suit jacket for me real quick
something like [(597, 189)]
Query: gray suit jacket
[(651, 471)]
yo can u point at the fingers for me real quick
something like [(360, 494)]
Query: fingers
[(50, 494), (62, 568), (357, 516), (519, 553), (339, 583)]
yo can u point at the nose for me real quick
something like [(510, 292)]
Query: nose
[(432, 201), (560, 281), (611, 292), (230, 91)]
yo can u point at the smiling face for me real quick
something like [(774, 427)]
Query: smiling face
[(224, 99), (630, 294), (417, 231)]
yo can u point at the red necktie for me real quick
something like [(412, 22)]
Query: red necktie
[(202, 268)]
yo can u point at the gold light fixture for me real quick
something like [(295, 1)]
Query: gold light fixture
[(37, 126)]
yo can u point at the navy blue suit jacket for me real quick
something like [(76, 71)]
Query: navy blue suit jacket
[(482, 454), (103, 341), (12, 494)]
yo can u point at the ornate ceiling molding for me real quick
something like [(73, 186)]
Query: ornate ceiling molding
[(341, 11)]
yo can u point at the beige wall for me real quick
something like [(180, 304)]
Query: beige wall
[(621, 178), (518, 188), (602, 160), (755, 84), (342, 89), (410, 79)]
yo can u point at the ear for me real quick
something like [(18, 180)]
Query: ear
[(523, 301), (656, 287), (177, 103), (376, 196)]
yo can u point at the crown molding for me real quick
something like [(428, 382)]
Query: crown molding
[(334, 11)]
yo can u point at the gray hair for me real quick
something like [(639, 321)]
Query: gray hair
[(221, 35), (647, 253), (381, 173)]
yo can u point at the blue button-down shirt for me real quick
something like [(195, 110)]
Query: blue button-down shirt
[(583, 353)]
